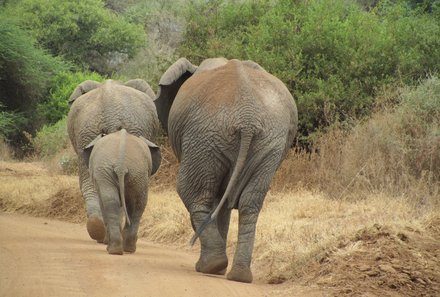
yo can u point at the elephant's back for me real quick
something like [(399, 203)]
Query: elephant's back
[(108, 109), (234, 85), (218, 104), (236, 94), (136, 158)]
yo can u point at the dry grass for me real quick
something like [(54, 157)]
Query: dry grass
[(395, 151), (294, 228), (63, 162), (371, 159), (6, 152), (30, 188)]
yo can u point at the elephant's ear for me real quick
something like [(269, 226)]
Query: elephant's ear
[(87, 151), (252, 64), (141, 85), (83, 88), (156, 157), (169, 85)]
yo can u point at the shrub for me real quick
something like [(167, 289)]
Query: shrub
[(26, 71), (83, 32), (56, 106), (51, 139), (11, 123), (395, 151), (164, 23), (334, 56)]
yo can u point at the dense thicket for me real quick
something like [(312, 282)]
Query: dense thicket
[(26, 72), (84, 32), (335, 56)]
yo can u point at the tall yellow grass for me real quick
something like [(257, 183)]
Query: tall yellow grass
[(293, 229), (5, 151), (370, 159)]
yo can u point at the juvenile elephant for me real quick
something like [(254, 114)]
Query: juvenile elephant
[(104, 108), (119, 165), (230, 124)]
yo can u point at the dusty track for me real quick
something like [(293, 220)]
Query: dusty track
[(42, 257)]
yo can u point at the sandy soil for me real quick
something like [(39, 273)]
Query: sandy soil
[(42, 257)]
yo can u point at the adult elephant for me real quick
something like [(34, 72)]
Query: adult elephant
[(230, 124), (104, 108)]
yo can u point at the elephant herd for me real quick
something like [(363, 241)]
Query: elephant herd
[(230, 124)]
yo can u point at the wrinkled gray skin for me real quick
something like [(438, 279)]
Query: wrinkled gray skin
[(120, 165), (104, 108), (230, 124)]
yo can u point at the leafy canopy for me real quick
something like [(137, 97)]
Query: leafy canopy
[(84, 32)]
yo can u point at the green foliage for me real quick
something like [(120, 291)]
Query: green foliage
[(220, 28), (418, 116), (11, 123), (26, 71), (398, 149), (81, 31), (164, 23), (50, 139), (334, 56), (56, 106)]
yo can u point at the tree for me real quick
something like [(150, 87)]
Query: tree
[(84, 32), (26, 72)]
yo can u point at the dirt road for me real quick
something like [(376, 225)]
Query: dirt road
[(43, 257)]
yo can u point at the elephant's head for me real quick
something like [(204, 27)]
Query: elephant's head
[(89, 85)]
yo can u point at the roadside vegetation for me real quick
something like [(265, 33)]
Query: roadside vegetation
[(365, 77)]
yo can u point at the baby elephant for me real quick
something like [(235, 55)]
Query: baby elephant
[(120, 165)]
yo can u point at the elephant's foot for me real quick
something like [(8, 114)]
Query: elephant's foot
[(95, 228), (115, 248), (212, 265), (240, 274), (130, 246)]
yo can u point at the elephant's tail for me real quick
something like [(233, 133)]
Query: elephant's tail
[(121, 170), (245, 142)]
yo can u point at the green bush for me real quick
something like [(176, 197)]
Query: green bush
[(51, 139), (419, 119), (334, 56), (84, 32), (11, 123), (394, 151), (26, 73), (56, 106)]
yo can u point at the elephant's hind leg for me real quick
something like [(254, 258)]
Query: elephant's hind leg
[(111, 212), (213, 257), (135, 208), (251, 201), (198, 192), (95, 223)]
